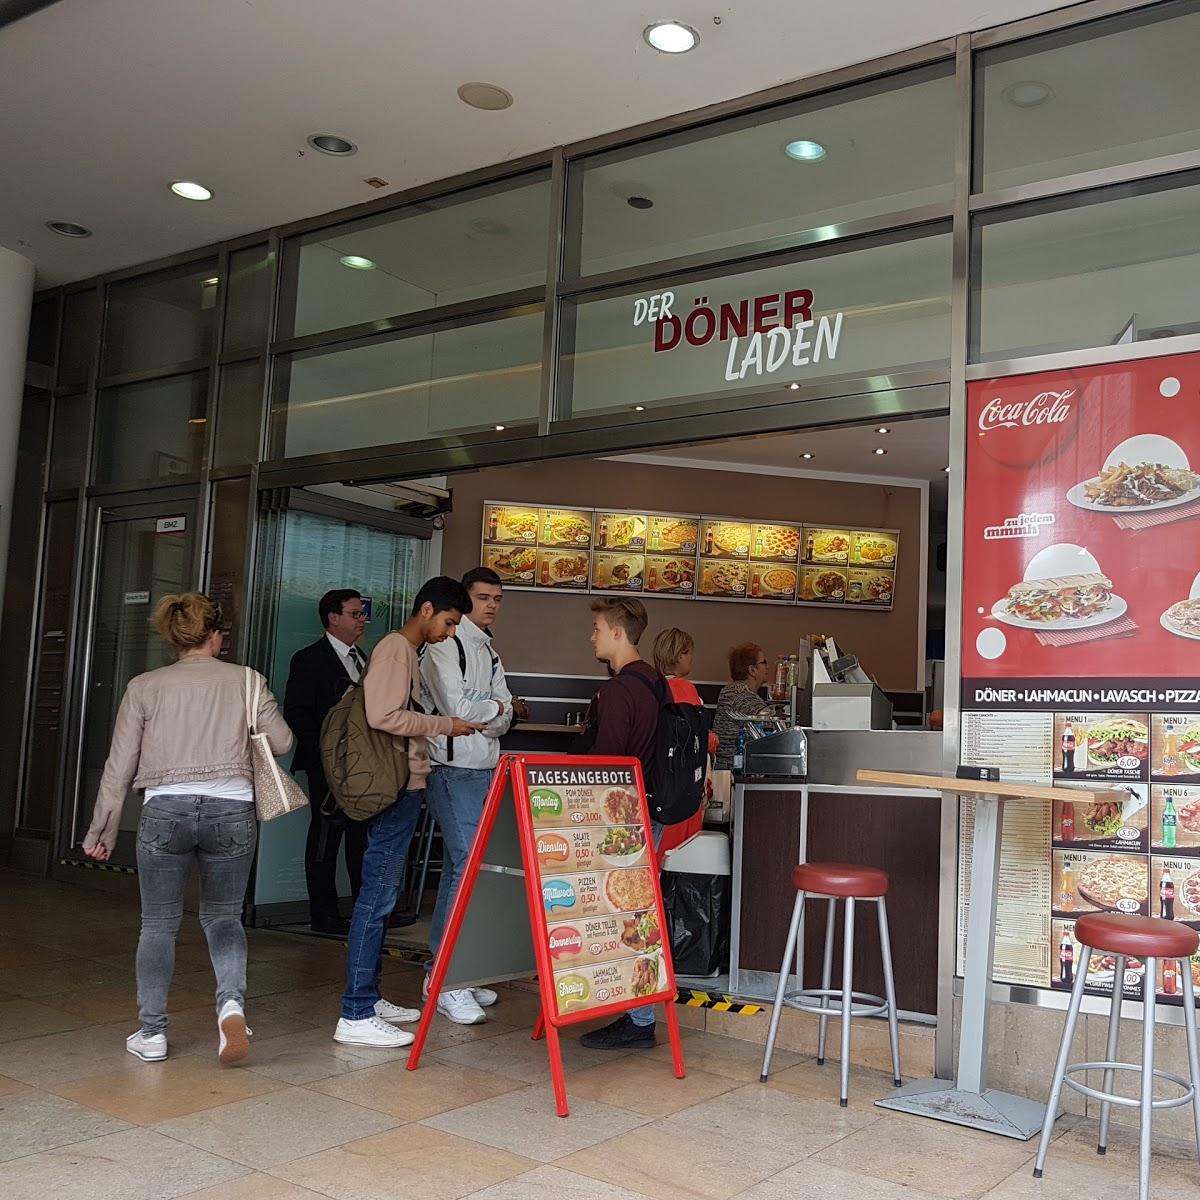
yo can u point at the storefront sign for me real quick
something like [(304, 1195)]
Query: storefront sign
[(764, 333), (1081, 617)]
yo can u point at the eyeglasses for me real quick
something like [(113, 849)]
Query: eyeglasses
[(357, 616), (762, 662)]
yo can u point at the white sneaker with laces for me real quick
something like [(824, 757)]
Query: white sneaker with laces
[(385, 1010), (234, 1036), (371, 1032), (149, 1047), (484, 997), (461, 1007)]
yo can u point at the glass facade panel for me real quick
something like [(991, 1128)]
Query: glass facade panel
[(479, 243), (43, 330), (239, 414), (1074, 274), (1103, 94), (403, 389), (877, 309), (80, 328), (160, 320), (884, 147), (69, 441), (248, 300), (151, 431)]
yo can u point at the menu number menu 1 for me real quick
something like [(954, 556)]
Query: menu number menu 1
[(601, 904)]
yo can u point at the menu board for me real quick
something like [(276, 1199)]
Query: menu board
[(680, 555), (602, 908), (1080, 604)]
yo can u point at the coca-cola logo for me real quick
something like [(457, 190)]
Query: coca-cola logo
[(1046, 408), (565, 940)]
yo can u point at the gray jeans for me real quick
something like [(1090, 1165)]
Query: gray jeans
[(175, 833)]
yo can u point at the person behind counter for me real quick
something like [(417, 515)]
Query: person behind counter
[(739, 699)]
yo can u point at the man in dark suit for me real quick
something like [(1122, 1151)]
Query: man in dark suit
[(317, 680)]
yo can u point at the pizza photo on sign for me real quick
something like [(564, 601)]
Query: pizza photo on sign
[(769, 581), (1142, 474), (775, 542), (674, 535), (1063, 588), (1086, 882), (1183, 617)]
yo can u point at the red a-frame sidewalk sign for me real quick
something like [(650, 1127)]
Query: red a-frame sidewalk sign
[(575, 831)]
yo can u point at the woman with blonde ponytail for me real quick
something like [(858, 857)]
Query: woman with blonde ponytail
[(181, 737)]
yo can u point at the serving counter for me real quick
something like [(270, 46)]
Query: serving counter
[(829, 816)]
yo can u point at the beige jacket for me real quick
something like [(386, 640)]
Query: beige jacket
[(388, 687), (186, 722)]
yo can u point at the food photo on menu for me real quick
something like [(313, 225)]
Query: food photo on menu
[(1080, 523), (1085, 882), (1175, 818), (1101, 968), (1175, 747), (1175, 884), (826, 546), (1101, 745), (1119, 821)]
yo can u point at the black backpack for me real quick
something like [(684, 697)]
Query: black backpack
[(676, 783)]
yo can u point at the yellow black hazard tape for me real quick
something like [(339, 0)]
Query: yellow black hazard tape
[(97, 866), (718, 1002)]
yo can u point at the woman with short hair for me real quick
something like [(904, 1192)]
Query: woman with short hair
[(181, 735), (739, 700)]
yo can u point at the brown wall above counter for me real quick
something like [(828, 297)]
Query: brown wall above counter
[(548, 632)]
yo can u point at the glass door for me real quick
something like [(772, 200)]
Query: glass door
[(142, 552)]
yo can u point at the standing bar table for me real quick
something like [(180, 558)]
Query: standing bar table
[(968, 1100)]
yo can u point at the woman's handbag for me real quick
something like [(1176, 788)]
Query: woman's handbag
[(276, 793)]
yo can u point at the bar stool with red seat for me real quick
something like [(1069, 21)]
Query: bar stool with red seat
[(848, 883), (1152, 940)]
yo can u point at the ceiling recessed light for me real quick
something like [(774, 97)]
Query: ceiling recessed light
[(68, 229), (671, 37), (806, 454), (880, 450), (190, 190), (1028, 93), (330, 143), (802, 150), (486, 96), (947, 470), (640, 202), (356, 262), (212, 281), (639, 408), (793, 387), (499, 428), (883, 429)]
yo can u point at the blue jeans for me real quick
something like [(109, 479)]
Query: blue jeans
[(645, 1015), (455, 797), (388, 838), (175, 834)]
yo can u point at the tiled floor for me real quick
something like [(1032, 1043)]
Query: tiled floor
[(82, 1120)]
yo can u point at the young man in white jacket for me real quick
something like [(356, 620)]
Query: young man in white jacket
[(463, 677)]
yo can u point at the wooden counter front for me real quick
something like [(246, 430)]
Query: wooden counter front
[(898, 833)]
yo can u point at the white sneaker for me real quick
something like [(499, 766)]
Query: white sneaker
[(235, 1037), (461, 1007), (149, 1047), (484, 997), (371, 1032), (385, 1010)]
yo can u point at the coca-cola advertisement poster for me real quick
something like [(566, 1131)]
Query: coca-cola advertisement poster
[(1081, 552)]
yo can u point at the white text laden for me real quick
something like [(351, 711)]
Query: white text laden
[(765, 353)]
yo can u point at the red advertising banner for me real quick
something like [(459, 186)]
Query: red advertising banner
[(1081, 624)]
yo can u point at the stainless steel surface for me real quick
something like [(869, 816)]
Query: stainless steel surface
[(843, 706), (993, 1112), (836, 755), (1063, 18), (1067, 359)]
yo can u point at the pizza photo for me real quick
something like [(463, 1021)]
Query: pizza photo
[(667, 574), (1182, 619), (1189, 893), (674, 533), (724, 579), (725, 539), (776, 542), (630, 890), (1114, 882), (778, 583)]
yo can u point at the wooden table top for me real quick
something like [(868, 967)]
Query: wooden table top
[(986, 787)]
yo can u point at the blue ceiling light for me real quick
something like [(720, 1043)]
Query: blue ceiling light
[(803, 150)]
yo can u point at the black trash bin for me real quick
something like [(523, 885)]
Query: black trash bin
[(697, 893)]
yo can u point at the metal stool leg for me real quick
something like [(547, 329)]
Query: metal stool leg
[(1060, 1067), (1147, 1078), (826, 976), (1189, 1021), (889, 989), (847, 996), (789, 950), (1110, 1052)]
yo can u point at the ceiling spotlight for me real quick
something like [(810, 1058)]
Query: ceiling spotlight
[(499, 428), (806, 454), (640, 202), (947, 470), (803, 150), (356, 262), (793, 387), (190, 190), (639, 408), (671, 37), (1028, 93), (883, 429), (486, 96), (68, 229), (330, 143), (880, 450)]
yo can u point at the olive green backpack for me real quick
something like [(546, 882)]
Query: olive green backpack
[(366, 769)]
